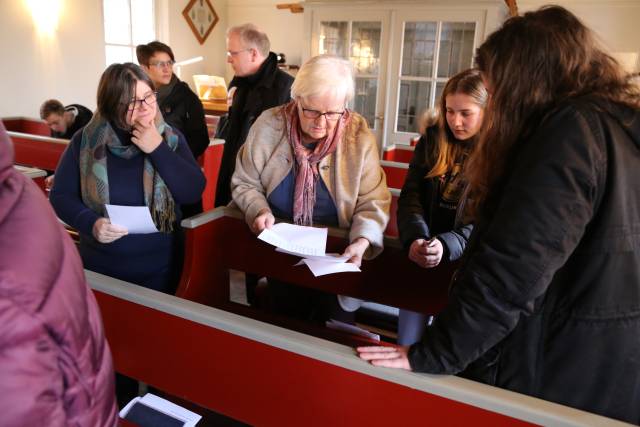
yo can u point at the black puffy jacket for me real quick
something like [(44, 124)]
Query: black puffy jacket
[(547, 301), (417, 214), (183, 110)]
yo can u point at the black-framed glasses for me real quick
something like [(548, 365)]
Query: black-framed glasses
[(162, 64), (148, 99), (315, 114)]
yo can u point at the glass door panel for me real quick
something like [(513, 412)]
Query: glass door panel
[(360, 41), (333, 38), (431, 48)]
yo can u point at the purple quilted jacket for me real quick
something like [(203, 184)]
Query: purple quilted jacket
[(55, 364)]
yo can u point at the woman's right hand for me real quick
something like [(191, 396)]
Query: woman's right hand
[(264, 219), (426, 253), (105, 232)]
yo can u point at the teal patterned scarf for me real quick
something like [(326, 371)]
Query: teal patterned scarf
[(97, 137)]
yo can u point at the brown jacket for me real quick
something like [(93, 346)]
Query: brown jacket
[(352, 174)]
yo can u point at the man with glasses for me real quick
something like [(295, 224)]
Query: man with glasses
[(258, 85), (180, 107)]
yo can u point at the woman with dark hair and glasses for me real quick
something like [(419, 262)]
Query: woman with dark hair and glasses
[(547, 299), (313, 161), (127, 155)]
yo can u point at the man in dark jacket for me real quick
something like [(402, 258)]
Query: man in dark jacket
[(180, 107), (64, 121), (258, 85)]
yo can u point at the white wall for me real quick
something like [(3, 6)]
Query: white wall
[(35, 67), (285, 29), (175, 31), (67, 65), (616, 22)]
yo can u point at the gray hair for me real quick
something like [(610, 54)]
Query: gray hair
[(251, 36), (324, 74)]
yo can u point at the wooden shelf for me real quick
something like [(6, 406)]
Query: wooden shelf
[(214, 107)]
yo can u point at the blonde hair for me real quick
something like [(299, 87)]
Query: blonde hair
[(468, 82), (323, 74)]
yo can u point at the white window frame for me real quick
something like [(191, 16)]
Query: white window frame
[(439, 16), (350, 15), (130, 45)]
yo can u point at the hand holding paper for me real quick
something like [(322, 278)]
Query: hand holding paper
[(310, 243), (296, 239), (136, 219)]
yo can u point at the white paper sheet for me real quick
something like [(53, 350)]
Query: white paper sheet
[(352, 329), (296, 239), (330, 257), (136, 219), (322, 267)]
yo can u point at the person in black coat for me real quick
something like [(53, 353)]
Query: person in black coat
[(547, 300), (429, 206), (180, 107), (258, 85), (64, 121)]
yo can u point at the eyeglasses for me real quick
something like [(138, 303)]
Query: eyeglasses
[(162, 64), (149, 99), (231, 53), (315, 114)]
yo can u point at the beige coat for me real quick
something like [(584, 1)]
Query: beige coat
[(352, 174)]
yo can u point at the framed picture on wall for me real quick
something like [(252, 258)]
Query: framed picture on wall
[(201, 17)]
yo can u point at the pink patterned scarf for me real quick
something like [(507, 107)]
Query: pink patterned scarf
[(306, 165)]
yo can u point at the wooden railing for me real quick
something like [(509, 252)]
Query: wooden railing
[(266, 375)]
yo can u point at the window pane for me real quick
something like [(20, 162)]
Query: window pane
[(365, 99), (456, 47), (142, 21), (418, 48), (116, 22), (413, 100), (333, 38), (365, 47), (439, 89), (118, 54)]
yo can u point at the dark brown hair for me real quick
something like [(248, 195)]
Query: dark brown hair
[(531, 65), (116, 89), (51, 106), (144, 52), (467, 82)]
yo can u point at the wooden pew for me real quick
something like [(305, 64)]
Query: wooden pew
[(38, 151), (392, 226), (37, 175), (212, 124), (265, 375), (211, 160), (219, 240), (396, 172), (398, 153), (26, 125)]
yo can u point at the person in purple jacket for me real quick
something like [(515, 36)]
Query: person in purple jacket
[(127, 155), (55, 364)]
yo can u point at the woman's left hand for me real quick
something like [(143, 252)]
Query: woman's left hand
[(355, 250), (146, 136), (388, 357)]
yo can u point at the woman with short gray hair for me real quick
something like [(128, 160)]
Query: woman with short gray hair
[(313, 161)]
